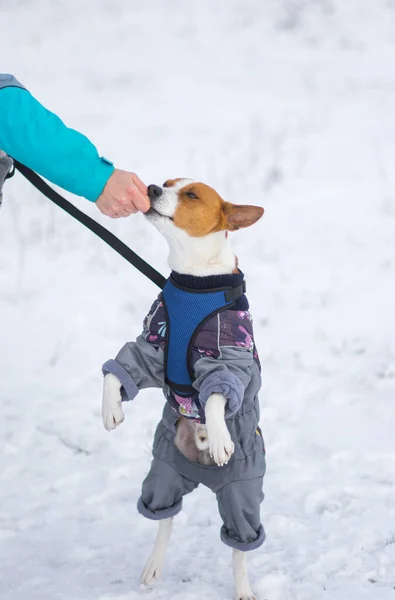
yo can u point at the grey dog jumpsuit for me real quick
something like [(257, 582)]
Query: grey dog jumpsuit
[(224, 360)]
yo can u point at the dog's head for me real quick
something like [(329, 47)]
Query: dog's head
[(196, 208)]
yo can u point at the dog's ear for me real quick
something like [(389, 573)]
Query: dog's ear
[(241, 215)]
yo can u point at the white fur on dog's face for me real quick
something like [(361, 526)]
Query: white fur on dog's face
[(167, 203)]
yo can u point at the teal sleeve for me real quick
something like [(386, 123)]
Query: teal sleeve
[(38, 139)]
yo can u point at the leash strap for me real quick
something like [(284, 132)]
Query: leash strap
[(103, 233)]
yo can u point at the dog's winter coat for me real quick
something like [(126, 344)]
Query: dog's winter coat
[(224, 360)]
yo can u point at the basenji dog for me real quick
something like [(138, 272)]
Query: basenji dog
[(198, 346)]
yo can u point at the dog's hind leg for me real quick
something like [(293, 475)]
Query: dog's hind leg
[(203, 446), (153, 567), (243, 588)]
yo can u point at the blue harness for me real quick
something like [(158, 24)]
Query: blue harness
[(186, 310)]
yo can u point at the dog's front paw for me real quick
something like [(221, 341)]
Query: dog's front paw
[(221, 446), (112, 412)]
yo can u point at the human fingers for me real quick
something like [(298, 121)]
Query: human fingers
[(141, 186), (140, 201)]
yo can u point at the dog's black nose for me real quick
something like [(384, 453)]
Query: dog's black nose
[(154, 191)]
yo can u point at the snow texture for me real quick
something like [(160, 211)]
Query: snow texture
[(285, 103)]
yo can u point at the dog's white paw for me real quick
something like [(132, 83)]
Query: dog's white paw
[(221, 446), (249, 597), (112, 412), (152, 570)]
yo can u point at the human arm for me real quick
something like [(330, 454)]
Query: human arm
[(39, 139)]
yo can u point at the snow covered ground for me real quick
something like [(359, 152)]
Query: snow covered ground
[(285, 103)]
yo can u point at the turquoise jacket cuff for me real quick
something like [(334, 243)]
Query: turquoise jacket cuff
[(101, 174)]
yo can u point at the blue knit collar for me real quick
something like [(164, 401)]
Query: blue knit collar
[(210, 282)]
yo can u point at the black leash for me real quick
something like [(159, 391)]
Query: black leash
[(103, 233)]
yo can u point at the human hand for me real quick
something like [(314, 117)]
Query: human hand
[(124, 194)]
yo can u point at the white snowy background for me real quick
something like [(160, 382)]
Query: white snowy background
[(285, 103)]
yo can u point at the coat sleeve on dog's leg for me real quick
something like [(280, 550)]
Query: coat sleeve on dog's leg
[(138, 365), (229, 375)]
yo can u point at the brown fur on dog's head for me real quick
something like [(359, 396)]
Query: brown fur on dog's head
[(201, 210)]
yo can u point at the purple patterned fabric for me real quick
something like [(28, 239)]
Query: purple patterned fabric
[(227, 328), (230, 328)]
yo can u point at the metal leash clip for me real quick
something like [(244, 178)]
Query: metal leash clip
[(7, 170)]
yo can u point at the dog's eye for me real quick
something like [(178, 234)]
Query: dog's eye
[(192, 195), (166, 184)]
